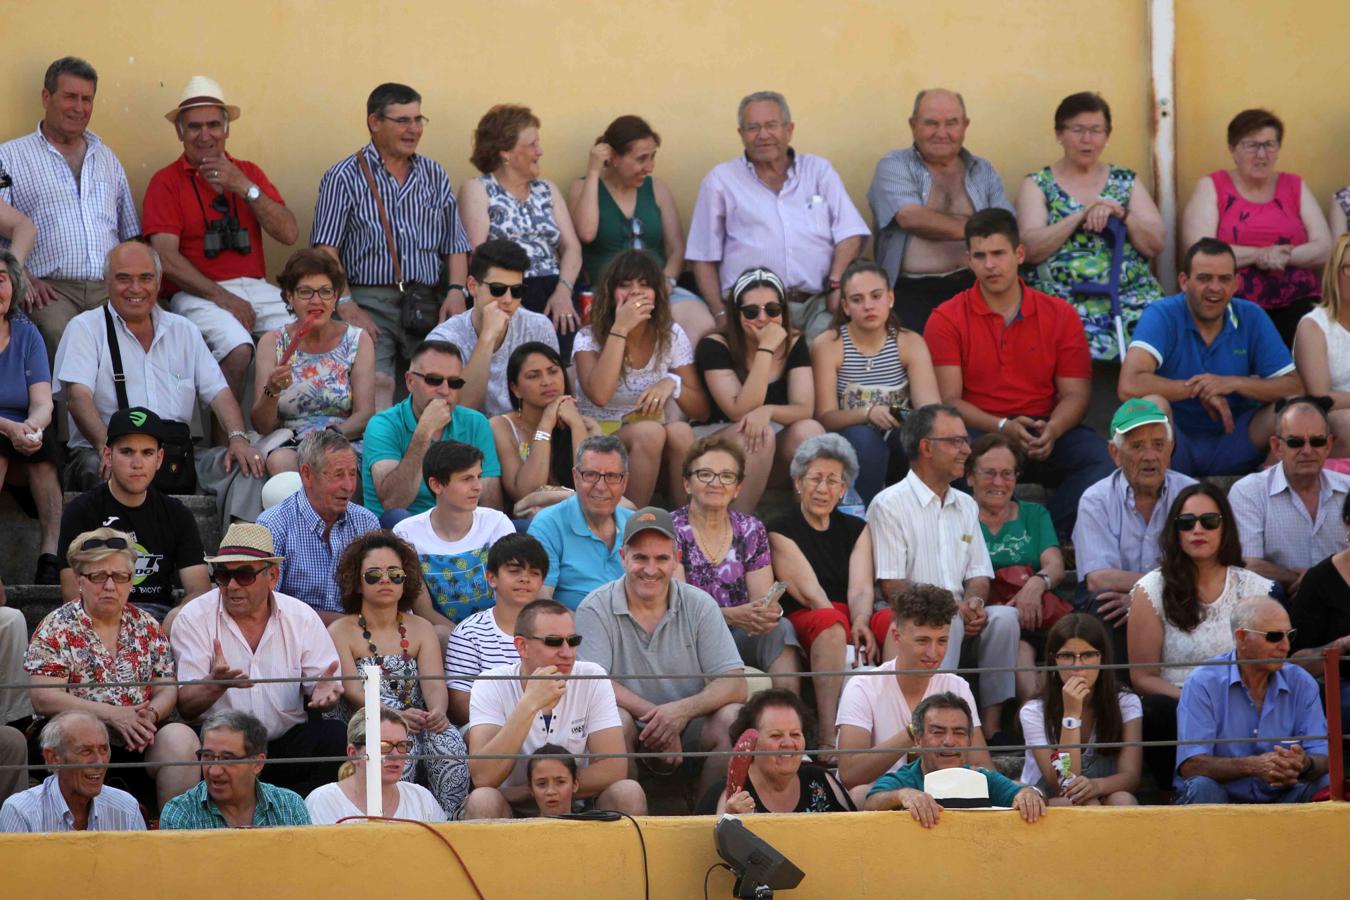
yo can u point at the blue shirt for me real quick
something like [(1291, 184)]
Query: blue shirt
[(22, 363), (1215, 704), (1109, 533), (195, 810), (389, 433), (422, 212), (578, 561), (1002, 789), (44, 809), (1248, 345), (310, 564)]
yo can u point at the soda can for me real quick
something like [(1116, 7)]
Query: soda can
[(585, 297)]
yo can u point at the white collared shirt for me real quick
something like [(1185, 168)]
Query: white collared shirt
[(923, 538)]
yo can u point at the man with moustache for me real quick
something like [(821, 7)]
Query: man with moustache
[(1214, 363), (205, 213)]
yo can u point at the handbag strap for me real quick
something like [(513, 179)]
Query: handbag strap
[(384, 216), (119, 377)]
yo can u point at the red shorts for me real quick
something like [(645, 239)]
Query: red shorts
[(812, 623), (881, 625)]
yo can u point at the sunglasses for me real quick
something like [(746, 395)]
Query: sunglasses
[(99, 543), (497, 289), (454, 381), (1208, 521), (1296, 443), (1274, 637), (555, 640), (223, 575), (751, 310), (374, 575)]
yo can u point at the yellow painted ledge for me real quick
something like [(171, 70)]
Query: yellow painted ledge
[(1154, 852)]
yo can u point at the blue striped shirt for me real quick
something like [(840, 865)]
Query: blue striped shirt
[(77, 224), (422, 211), (43, 809), (308, 570)]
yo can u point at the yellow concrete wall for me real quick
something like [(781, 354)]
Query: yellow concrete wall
[(301, 70), (1148, 852)]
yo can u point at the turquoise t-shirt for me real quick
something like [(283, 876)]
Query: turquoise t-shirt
[(389, 433), (1021, 541), (1002, 789)]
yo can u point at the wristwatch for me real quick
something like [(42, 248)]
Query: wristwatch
[(1071, 722), (253, 193)]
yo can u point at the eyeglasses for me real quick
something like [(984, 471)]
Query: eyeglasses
[(708, 476), (497, 289), (638, 243), (402, 748), (814, 481), (101, 578), (590, 476), (1208, 521), (751, 310), (1068, 657), (1079, 130), (405, 121), (555, 640), (991, 474), (454, 381), (1274, 637), (375, 575), (1296, 443), (959, 440), (307, 293), (756, 127), (100, 543), (210, 756), (223, 575), (1254, 146)]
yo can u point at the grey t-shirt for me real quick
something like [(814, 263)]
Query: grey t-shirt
[(691, 637), (525, 326)]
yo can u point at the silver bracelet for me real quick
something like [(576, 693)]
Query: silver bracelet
[(543, 436)]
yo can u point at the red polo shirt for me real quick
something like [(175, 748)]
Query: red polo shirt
[(171, 207), (1009, 369)]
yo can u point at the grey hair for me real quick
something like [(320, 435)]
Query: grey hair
[(918, 99), (315, 447), (247, 724), (825, 446), (763, 97), (944, 700), (154, 256), (54, 732), (17, 280), (1246, 610), (1118, 439), (919, 425), (603, 443), (68, 65)]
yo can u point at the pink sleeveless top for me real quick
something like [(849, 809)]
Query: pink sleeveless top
[(1261, 225)]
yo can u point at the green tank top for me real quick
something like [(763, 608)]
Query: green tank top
[(615, 232)]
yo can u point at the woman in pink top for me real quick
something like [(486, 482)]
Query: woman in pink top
[(1270, 218)]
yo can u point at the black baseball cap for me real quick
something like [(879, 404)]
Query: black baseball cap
[(136, 420)]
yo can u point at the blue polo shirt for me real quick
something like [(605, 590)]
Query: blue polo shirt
[(1248, 345), (389, 433), (1215, 704), (578, 561)]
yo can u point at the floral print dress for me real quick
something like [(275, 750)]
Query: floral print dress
[(321, 394), (1086, 256), (66, 646), (725, 581)]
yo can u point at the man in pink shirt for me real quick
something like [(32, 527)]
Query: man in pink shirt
[(776, 208)]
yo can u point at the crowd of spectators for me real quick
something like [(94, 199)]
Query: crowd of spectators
[(527, 451)]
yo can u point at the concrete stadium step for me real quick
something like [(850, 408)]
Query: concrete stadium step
[(33, 600)]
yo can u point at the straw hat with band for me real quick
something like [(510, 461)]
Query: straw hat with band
[(246, 542)]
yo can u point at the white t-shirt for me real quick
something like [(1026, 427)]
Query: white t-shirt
[(455, 572), (586, 707), (476, 645), (876, 703), (1033, 728), (327, 804)]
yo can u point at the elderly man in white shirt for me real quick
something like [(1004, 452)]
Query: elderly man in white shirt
[(924, 531), (1289, 516), (244, 629)]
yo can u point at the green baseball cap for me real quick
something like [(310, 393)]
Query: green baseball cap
[(1133, 413)]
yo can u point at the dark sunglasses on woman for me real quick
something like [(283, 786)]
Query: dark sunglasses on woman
[(1208, 521), (373, 575), (751, 310)]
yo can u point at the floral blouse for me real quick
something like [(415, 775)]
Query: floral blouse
[(725, 581), (530, 223), (321, 394), (66, 646)]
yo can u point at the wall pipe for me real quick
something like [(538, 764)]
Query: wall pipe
[(1162, 33)]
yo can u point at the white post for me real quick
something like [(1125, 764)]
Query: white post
[(374, 790), (1162, 32)]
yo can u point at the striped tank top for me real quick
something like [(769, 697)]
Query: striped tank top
[(879, 379)]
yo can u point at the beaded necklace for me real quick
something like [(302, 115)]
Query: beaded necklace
[(403, 688)]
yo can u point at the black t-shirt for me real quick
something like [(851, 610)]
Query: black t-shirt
[(1321, 609), (827, 551), (713, 354), (164, 530), (820, 792)]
